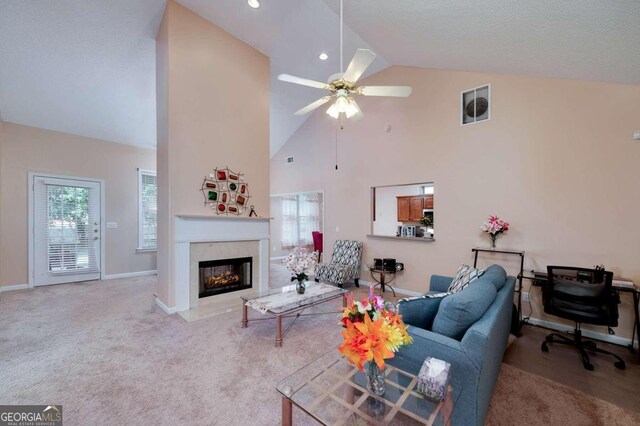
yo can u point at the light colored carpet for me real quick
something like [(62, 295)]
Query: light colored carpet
[(105, 352)]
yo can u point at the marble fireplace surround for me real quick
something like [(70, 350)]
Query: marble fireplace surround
[(200, 238)]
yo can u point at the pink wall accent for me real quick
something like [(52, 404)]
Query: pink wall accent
[(213, 111), (28, 149), (557, 160)]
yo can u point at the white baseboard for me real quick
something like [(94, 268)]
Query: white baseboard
[(13, 287), (165, 308), (129, 275), (397, 289), (622, 341)]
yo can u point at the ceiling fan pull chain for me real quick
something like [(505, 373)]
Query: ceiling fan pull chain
[(336, 147), (341, 19)]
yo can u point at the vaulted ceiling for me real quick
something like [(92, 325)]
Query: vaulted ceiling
[(88, 66)]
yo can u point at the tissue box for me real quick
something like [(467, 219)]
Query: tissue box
[(433, 379)]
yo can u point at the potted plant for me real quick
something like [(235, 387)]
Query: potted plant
[(427, 222)]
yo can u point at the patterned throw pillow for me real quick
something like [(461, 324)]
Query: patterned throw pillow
[(465, 276), (424, 296)]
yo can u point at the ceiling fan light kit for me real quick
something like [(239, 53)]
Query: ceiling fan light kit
[(254, 3), (343, 105), (342, 86)]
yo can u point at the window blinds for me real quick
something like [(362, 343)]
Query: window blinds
[(71, 225), (148, 210)]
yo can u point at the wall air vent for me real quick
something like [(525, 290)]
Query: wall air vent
[(289, 160)]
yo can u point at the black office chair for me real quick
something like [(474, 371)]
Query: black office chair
[(584, 296)]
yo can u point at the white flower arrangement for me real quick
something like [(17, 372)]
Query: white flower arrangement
[(300, 264)]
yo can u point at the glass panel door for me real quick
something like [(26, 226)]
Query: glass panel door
[(67, 230)]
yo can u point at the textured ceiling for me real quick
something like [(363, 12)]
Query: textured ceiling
[(88, 66), (85, 67), (578, 39)]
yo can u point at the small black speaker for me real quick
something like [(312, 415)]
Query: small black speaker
[(389, 264), (377, 263)]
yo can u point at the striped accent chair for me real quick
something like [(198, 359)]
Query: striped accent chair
[(344, 265)]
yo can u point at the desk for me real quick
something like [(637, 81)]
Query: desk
[(382, 278), (621, 285)]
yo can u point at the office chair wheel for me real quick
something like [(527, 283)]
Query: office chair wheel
[(620, 365), (544, 347), (588, 366)]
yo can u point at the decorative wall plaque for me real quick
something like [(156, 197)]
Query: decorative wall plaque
[(225, 192)]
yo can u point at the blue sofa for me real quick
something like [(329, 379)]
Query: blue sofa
[(475, 353)]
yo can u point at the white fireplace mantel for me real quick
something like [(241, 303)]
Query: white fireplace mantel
[(191, 229)]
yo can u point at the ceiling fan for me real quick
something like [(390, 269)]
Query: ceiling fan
[(343, 85)]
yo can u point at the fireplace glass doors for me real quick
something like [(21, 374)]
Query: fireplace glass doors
[(225, 275)]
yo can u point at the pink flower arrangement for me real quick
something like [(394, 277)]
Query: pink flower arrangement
[(494, 226)]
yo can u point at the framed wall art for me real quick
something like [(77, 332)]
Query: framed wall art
[(475, 105)]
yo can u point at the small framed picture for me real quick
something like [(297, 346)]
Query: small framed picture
[(475, 105)]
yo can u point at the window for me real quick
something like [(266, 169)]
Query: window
[(427, 189), (296, 217), (147, 210)]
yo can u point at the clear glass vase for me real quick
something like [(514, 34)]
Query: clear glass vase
[(375, 379), (300, 286)]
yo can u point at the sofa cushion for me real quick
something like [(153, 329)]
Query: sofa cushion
[(458, 311), (420, 311), (497, 275), (465, 275)]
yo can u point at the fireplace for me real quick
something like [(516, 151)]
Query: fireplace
[(224, 276)]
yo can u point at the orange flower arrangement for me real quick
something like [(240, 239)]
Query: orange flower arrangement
[(373, 331)]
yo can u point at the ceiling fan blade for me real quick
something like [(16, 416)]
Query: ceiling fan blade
[(396, 91), (303, 81), (359, 64), (313, 105)]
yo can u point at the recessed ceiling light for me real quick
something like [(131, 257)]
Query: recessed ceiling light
[(254, 3), (323, 56)]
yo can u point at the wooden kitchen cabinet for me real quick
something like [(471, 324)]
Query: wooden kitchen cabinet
[(428, 202), (410, 207), (403, 209), (415, 208)]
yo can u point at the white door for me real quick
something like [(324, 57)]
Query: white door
[(67, 230)]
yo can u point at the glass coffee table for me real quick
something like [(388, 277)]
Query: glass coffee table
[(334, 392), (285, 302)]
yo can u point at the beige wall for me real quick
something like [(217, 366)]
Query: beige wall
[(556, 159), (213, 111), (26, 149)]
